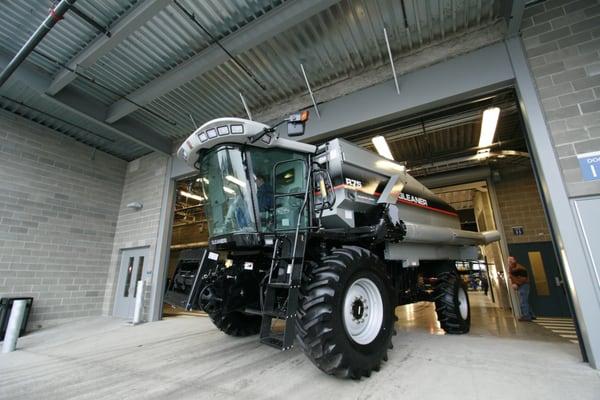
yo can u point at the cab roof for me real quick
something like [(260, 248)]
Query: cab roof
[(235, 130)]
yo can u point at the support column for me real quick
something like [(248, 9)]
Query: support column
[(163, 243)]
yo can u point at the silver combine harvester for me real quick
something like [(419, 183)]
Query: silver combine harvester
[(328, 238)]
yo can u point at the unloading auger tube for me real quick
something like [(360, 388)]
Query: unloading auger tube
[(419, 233), (328, 238)]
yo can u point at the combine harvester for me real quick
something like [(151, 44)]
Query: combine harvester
[(329, 238)]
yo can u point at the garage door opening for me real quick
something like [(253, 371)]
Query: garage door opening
[(487, 275), (492, 186), (189, 241)]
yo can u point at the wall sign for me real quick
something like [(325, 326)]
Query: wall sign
[(518, 230), (589, 163)]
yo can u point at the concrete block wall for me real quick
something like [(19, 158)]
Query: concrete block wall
[(144, 183), (58, 214), (520, 205), (562, 41)]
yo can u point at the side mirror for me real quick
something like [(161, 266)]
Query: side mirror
[(323, 189), (296, 123)]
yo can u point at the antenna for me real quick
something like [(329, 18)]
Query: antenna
[(312, 97), (387, 43), (193, 122), (245, 106)]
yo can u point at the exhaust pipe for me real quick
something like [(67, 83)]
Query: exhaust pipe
[(55, 15)]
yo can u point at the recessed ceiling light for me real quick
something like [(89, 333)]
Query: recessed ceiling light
[(488, 126), (382, 147), (191, 195)]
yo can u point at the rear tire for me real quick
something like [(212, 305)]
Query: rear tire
[(346, 316), (452, 303), (236, 323)]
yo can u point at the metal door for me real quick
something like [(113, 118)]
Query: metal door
[(130, 272), (547, 296)]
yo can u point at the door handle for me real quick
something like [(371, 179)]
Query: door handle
[(558, 281)]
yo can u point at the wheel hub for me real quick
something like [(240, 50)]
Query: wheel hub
[(463, 304), (208, 299), (359, 308), (363, 311)]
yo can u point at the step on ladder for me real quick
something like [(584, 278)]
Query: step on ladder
[(284, 282)]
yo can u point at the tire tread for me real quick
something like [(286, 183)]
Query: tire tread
[(314, 333)]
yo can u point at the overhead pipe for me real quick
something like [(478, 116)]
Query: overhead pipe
[(55, 15), (81, 14)]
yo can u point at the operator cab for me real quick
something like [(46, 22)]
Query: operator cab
[(240, 183), (254, 182)]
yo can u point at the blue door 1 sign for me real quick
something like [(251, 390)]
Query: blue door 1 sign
[(589, 163)]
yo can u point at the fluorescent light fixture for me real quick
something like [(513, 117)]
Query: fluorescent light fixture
[(390, 166), (482, 154), (488, 126), (191, 195), (235, 180), (228, 190), (382, 147)]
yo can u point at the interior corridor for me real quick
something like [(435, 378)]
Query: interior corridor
[(487, 320)]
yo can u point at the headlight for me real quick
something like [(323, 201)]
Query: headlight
[(183, 154)]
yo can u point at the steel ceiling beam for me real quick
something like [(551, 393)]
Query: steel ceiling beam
[(515, 17), (481, 71), (251, 35), (86, 107), (124, 27)]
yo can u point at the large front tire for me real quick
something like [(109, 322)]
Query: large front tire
[(236, 323), (452, 303), (346, 317), (233, 323)]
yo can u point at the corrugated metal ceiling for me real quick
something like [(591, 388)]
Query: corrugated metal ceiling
[(340, 42), (449, 134), (20, 18), (21, 100)]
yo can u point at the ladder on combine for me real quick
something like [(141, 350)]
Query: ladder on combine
[(285, 277), (283, 290)]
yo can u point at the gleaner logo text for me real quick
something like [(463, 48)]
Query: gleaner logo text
[(413, 199)]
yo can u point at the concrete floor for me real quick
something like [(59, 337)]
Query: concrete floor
[(185, 357)]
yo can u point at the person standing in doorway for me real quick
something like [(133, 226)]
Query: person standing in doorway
[(484, 284), (520, 282)]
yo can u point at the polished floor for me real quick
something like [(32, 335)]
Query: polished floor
[(563, 327), (185, 357), (487, 320)]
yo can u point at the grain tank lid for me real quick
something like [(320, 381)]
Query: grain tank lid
[(235, 130), (362, 158)]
